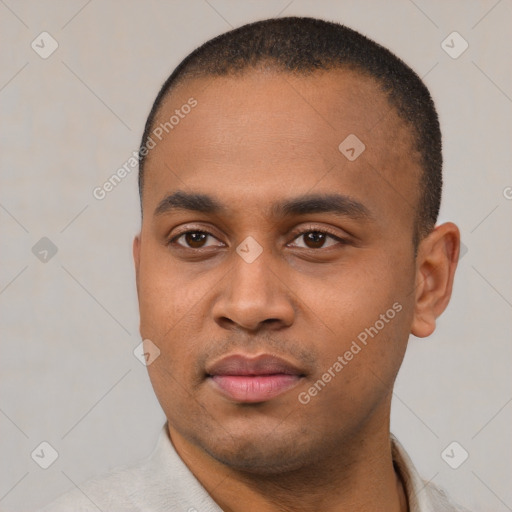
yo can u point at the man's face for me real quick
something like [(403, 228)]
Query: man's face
[(252, 144)]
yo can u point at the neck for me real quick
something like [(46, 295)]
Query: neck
[(358, 476)]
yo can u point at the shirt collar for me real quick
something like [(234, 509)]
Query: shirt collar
[(167, 467), (415, 488)]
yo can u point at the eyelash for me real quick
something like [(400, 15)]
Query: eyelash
[(323, 231)]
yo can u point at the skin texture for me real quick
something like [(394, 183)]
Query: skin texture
[(254, 140)]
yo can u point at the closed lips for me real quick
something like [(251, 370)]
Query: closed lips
[(252, 380), (246, 366)]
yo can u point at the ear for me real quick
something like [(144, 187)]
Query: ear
[(136, 258), (437, 259)]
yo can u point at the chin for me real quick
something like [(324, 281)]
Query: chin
[(258, 463), (262, 453)]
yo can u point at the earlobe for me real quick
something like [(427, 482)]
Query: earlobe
[(436, 263)]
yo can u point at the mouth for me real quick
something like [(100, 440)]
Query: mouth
[(247, 379)]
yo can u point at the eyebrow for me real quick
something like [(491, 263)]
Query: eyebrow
[(302, 205), (321, 203), (185, 201)]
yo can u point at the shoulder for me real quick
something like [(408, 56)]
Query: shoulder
[(160, 482), (422, 496), (440, 501), (115, 490)]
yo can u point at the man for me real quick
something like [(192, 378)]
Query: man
[(290, 181)]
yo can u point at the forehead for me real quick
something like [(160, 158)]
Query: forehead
[(266, 128), (324, 100)]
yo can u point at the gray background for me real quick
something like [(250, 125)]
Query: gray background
[(70, 324)]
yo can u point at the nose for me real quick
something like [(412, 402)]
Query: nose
[(254, 296)]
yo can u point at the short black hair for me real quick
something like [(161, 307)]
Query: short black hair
[(302, 45)]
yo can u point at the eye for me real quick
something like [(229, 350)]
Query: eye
[(194, 239), (316, 239), (311, 239)]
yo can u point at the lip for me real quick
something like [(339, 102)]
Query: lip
[(253, 379)]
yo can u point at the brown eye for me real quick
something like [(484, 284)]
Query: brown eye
[(316, 239), (194, 239)]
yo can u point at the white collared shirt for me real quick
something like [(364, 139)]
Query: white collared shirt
[(163, 483)]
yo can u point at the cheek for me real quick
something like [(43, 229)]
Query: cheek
[(360, 355), (173, 305), (363, 312), (166, 294), (353, 296)]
